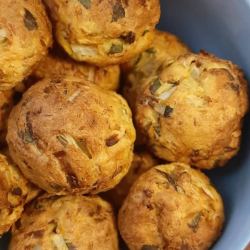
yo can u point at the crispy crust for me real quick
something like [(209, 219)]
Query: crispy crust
[(66, 223), (142, 162), (171, 207), (165, 49), (24, 42), (13, 194), (59, 64), (104, 32), (33, 190), (194, 111), (82, 134)]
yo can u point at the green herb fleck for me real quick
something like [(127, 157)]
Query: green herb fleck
[(138, 58), (216, 163), (168, 111), (85, 3), (115, 49), (150, 50), (172, 178), (62, 140), (155, 86), (194, 225), (65, 91), (56, 187), (71, 246), (149, 247), (229, 74), (145, 32), (30, 21), (28, 137), (157, 130), (235, 87), (118, 12)]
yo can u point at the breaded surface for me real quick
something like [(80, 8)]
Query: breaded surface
[(104, 32), (59, 64), (165, 49), (33, 190), (13, 194), (6, 104), (82, 135), (193, 112), (66, 223), (25, 36), (142, 161), (171, 207)]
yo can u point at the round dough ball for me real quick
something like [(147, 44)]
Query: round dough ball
[(13, 194), (104, 32), (33, 190), (171, 207), (142, 161), (66, 223), (6, 104), (193, 112), (25, 36), (58, 64), (165, 49), (82, 135)]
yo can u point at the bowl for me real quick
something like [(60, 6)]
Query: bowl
[(223, 29)]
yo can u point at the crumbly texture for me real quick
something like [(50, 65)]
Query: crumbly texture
[(59, 64), (193, 112), (165, 49), (25, 36), (6, 104), (171, 207), (142, 161), (82, 135), (33, 190), (66, 223), (122, 30), (13, 194)]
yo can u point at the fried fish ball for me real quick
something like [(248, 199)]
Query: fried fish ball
[(142, 161), (6, 104), (13, 194), (165, 49), (193, 112), (104, 32), (66, 223), (82, 135), (33, 191), (25, 36), (171, 207), (61, 65)]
